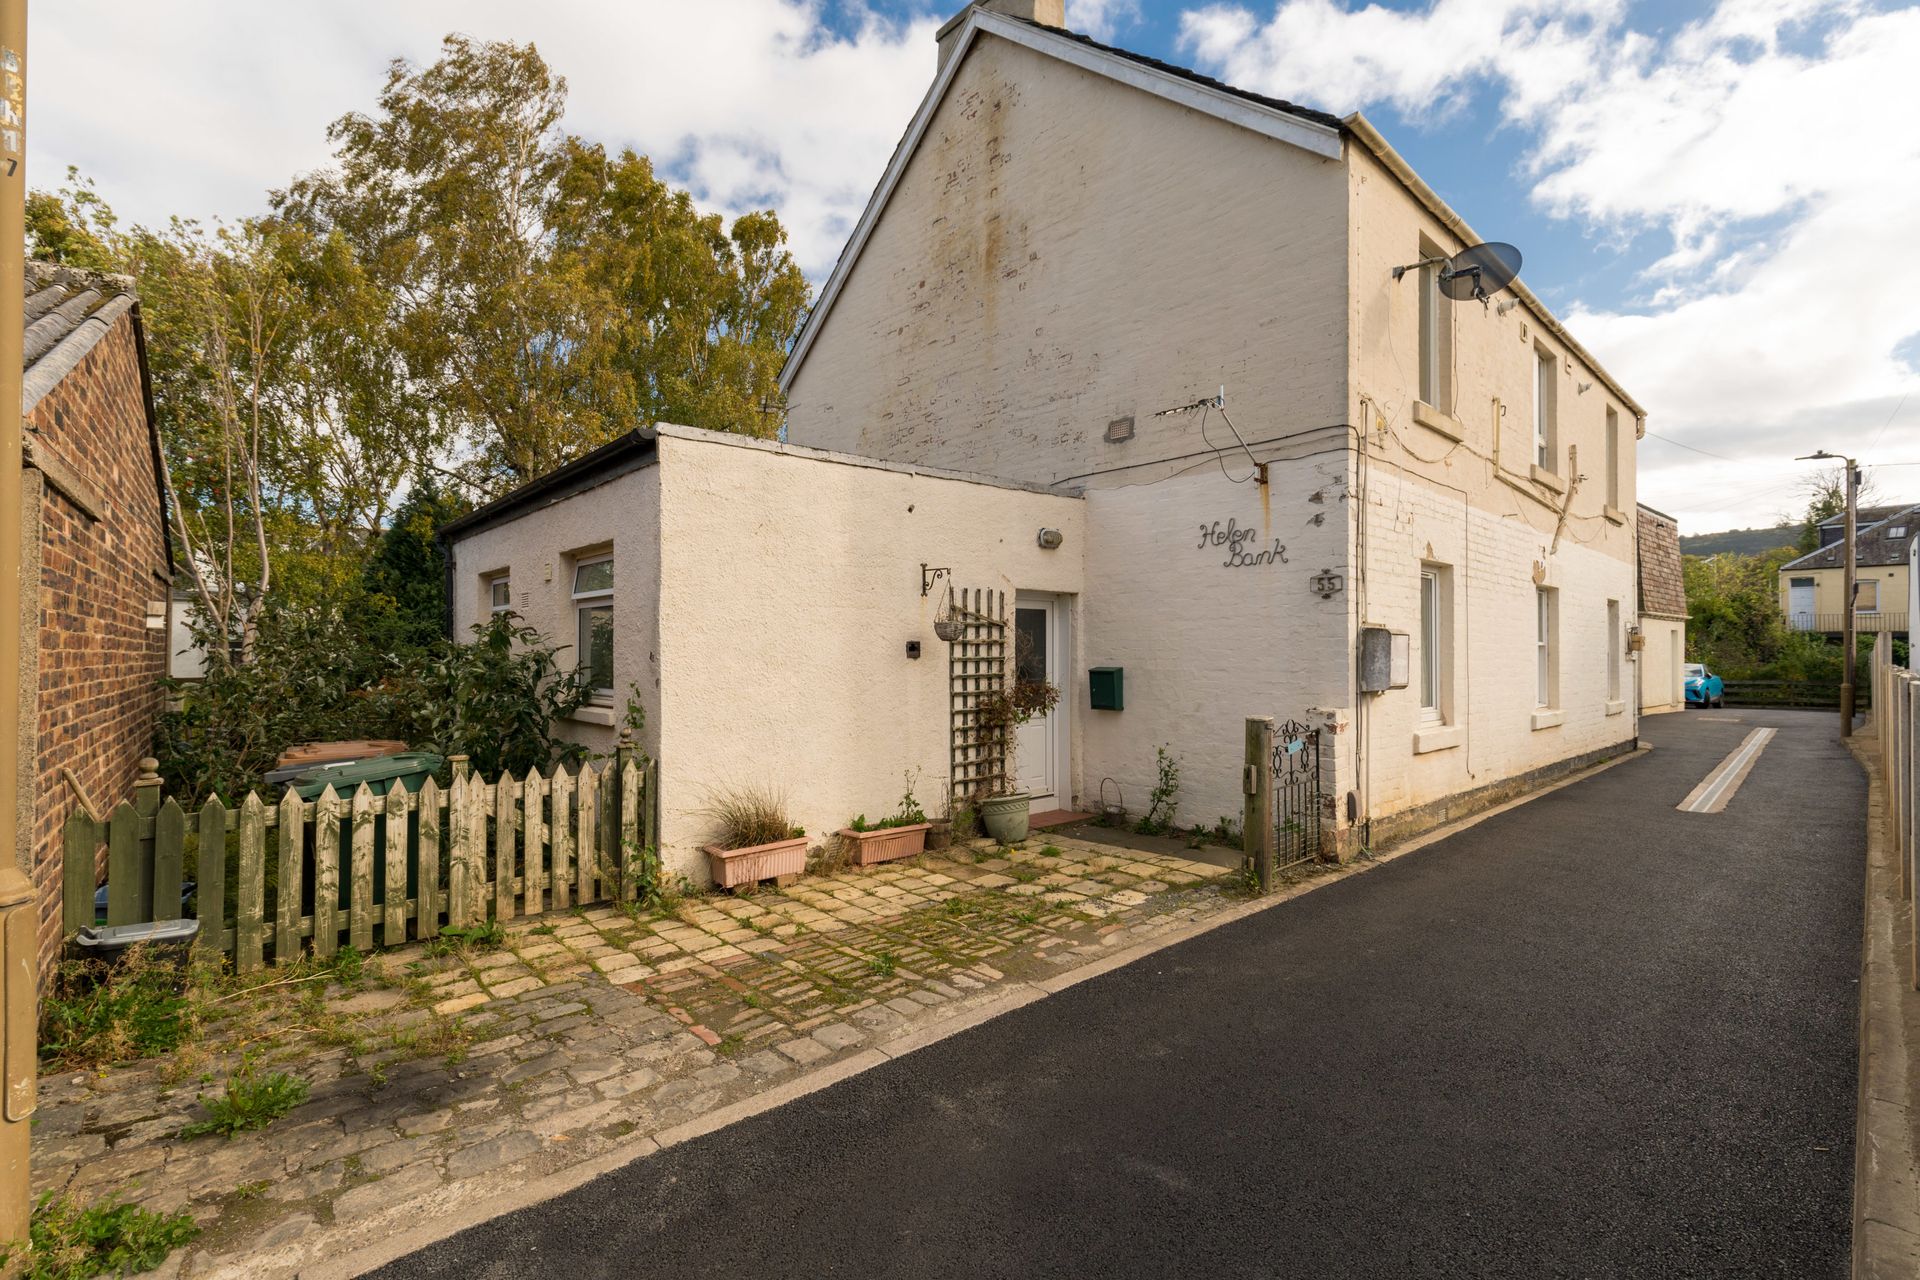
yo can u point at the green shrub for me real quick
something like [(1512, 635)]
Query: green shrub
[(96, 1011), (251, 1101), (67, 1242)]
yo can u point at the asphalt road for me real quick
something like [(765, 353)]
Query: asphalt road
[(1590, 1036)]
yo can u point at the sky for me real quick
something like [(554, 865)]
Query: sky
[(1720, 199)]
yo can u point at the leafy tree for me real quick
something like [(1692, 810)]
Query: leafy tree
[(405, 578), (545, 296), (1826, 495)]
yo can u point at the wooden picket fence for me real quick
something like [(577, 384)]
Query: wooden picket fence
[(268, 877)]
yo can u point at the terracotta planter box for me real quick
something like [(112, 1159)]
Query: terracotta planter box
[(779, 860), (886, 844)]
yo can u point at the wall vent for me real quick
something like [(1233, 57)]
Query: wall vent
[(1120, 429)]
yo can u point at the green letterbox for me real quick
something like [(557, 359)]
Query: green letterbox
[(1107, 685)]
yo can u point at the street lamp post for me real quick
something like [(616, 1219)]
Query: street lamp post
[(1848, 586)]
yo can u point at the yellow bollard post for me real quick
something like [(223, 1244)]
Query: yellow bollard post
[(18, 987)]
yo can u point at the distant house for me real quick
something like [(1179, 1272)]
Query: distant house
[(1813, 587), (96, 540), (1663, 613)]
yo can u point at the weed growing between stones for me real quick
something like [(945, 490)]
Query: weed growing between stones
[(253, 1100), (488, 936), (69, 1242), (98, 1011)]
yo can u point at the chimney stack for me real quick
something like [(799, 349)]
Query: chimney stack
[(1048, 13)]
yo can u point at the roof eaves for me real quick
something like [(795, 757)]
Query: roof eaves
[(1360, 128), (589, 471)]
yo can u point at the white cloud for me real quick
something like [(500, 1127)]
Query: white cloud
[(1102, 19), (199, 106), (1772, 141)]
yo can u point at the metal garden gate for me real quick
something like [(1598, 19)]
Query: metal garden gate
[(1296, 793)]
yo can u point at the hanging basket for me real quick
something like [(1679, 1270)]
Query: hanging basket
[(947, 621)]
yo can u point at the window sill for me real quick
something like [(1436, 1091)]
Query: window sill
[(1614, 515), (1548, 717), (1615, 708), (1438, 421), (1540, 475), (1439, 737), (593, 715)]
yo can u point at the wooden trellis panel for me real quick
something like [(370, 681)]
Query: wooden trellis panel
[(977, 666)]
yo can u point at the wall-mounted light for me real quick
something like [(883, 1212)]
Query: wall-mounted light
[(1050, 539)]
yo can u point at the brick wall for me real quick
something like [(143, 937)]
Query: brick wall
[(98, 661)]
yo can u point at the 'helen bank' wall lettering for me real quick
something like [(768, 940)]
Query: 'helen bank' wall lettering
[(1239, 545)]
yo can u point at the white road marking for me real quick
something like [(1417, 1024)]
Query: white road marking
[(1717, 788)]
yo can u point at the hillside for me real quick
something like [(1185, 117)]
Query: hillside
[(1746, 542)]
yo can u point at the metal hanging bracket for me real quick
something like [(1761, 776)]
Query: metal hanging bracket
[(928, 577)]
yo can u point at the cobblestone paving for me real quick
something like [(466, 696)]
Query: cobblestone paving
[(447, 1078)]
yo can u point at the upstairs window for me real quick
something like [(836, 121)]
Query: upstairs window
[(1436, 331), (593, 611), (1613, 457), (1544, 449)]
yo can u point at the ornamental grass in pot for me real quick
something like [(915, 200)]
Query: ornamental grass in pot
[(754, 838), (902, 835)]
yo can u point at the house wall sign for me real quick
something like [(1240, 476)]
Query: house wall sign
[(1240, 545), (1326, 584)]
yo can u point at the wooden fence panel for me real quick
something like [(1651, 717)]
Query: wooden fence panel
[(428, 860), (326, 873), (123, 871), (360, 904), (459, 834), (393, 928), (561, 838), (250, 886), (505, 826), (210, 886), (533, 842), (556, 842), (80, 845), (169, 857), (629, 836), (290, 838), (587, 852), (479, 806)]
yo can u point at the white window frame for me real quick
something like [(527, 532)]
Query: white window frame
[(585, 602), (1434, 649), (1613, 457), (1543, 648), (1613, 651), (1434, 332), (494, 582), (1543, 433)]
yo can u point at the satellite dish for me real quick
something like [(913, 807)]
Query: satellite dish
[(1479, 271)]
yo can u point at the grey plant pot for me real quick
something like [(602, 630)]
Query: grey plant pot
[(1005, 817)]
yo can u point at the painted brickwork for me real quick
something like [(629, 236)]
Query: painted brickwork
[(1064, 251), (1049, 262), (98, 660)]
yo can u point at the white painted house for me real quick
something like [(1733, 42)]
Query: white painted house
[(1014, 374)]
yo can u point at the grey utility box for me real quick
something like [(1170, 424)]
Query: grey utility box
[(1385, 659)]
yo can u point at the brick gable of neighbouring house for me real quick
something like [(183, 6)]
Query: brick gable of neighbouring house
[(96, 538)]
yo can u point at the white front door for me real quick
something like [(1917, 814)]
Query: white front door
[(1800, 602), (1040, 652)]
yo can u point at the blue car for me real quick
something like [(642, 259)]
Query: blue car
[(1704, 689)]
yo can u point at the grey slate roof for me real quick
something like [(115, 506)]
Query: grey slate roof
[(1663, 587), (1875, 543), (68, 312)]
